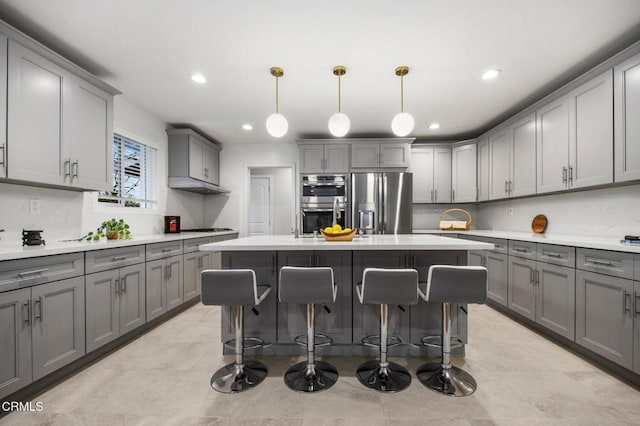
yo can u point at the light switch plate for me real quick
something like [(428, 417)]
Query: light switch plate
[(34, 205)]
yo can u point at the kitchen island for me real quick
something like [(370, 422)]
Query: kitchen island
[(346, 321)]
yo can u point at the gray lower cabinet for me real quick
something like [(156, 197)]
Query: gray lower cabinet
[(164, 285), (262, 324), (15, 340), (522, 295), (194, 264), (115, 304), (333, 319), (604, 316)]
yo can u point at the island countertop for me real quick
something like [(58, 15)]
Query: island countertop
[(369, 242)]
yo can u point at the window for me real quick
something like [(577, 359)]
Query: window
[(134, 171)]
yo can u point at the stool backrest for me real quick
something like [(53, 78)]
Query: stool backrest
[(389, 286), (457, 284), (229, 287), (306, 285)]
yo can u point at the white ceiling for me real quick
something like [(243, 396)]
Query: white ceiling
[(149, 48)]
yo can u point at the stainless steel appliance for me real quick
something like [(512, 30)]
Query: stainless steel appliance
[(323, 201), (380, 203)]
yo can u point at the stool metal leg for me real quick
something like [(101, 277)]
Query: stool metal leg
[(445, 378), (240, 375), (383, 375), (310, 375)]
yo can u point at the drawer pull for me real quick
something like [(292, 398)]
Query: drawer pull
[(118, 258), (600, 262), (552, 254), (35, 272), (165, 250), (520, 249)]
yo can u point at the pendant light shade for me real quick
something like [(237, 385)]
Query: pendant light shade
[(339, 122), (402, 123), (277, 124)]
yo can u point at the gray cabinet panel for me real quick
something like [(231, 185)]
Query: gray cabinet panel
[(102, 308), (156, 298), (395, 155), (39, 270), (552, 144), (59, 325), (522, 249), (162, 250), (499, 144), (336, 324), (555, 301), (366, 318), (497, 276), (312, 158), (102, 260), (604, 319), (558, 255), (463, 173), (191, 245), (3, 107), (15, 341), (483, 169), (336, 158), (522, 296), (626, 123), (263, 325), (191, 271), (35, 96), (522, 157), (174, 282), (132, 297), (365, 155)]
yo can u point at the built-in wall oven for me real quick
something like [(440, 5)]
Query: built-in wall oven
[(323, 200)]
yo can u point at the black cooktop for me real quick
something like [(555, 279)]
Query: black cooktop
[(206, 230)]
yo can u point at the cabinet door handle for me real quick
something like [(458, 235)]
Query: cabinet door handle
[(477, 194), (117, 286), (432, 195), (273, 265), (510, 187), (625, 296), (40, 304), (570, 175), (67, 168), (310, 260), (537, 277), (166, 272), (413, 262), (531, 278), (506, 186), (2, 160), (436, 196), (74, 169), (453, 194), (34, 272), (123, 282), (564, 175), (27, 307), (636, 310)]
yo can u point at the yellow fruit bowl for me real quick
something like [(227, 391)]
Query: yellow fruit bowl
[(341, 236)]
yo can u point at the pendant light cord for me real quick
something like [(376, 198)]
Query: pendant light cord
[(276, 95), (401, 93), (339, 91)]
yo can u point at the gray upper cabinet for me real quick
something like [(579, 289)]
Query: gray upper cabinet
[(626, 123), (431, 168), (552, 137), (3, 106), (483, 169), (463, 173), (499, 164), (193, 156), (15, 340), (58, 331), (324, 158), (35, 96), (604, 316), (591, 132), (72, 144), (374, 155)]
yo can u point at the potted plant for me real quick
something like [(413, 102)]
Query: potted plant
[(113, 229)]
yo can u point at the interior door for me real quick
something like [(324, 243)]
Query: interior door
[(260, 206)]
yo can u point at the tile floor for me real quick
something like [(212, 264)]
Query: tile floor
[(163, 378)]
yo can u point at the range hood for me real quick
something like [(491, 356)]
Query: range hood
[(195, 185)]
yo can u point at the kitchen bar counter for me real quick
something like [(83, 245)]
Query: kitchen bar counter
[(11, 251), (600, 243)]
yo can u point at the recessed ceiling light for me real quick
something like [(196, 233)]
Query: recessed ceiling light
[(247, 126), (491, 74), (434, 126), (198, 78)]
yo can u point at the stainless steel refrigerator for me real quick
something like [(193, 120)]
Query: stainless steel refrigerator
[(380, 203)]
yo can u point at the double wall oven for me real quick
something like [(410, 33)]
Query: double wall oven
[(323, 199)]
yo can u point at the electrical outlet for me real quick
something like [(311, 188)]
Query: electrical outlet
[(34, 205), (510, 211)]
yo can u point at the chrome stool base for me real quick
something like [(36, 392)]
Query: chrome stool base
[(452, 382), (230, 379), (300, 378), (392, 378)]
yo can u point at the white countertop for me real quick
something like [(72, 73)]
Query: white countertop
[(370, 242), (601, 243), (10, 251)]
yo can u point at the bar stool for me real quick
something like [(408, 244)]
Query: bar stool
[(235, 287), (309, 286), (451, 284), (383, 287)]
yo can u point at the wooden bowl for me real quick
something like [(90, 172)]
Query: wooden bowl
[(343, 237), (539, 224)]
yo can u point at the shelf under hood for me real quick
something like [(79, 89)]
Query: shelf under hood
[(195, 185)]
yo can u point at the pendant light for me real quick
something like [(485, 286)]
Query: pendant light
[(402, 123), (277, 125), (339, 122)]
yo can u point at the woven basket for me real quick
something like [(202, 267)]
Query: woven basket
[(455, 225)]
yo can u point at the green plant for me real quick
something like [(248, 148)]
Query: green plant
[(108, 227)]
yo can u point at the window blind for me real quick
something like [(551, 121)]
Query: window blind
[(134, 174)]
